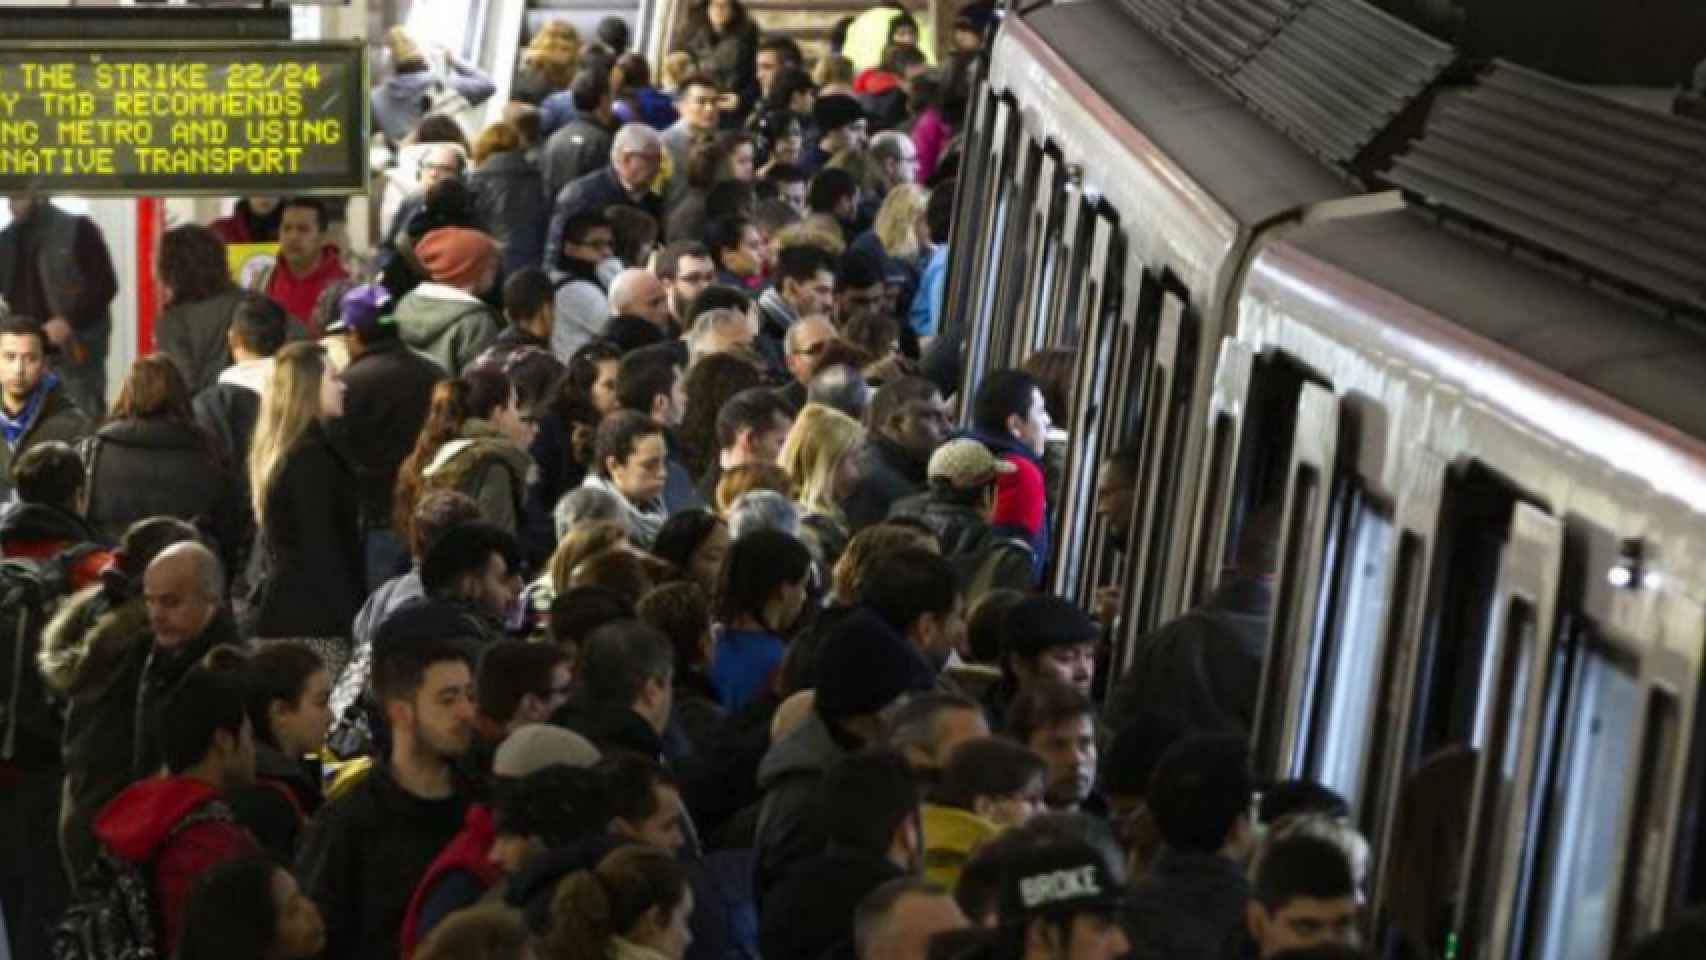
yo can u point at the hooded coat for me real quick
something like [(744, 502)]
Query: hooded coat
[(447, 324), (788, 831), (312, 533), (404, 98), (487, 466), (139, 826), (298, 294), (160, 467)]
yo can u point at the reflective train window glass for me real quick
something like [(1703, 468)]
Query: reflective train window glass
[(1342, 724), (1599, 755)]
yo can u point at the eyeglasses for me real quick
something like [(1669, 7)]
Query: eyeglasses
[(813, 349)]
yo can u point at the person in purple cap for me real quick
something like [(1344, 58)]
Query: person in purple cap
[(387, 389)]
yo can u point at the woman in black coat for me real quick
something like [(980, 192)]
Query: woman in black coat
[(509, 192), (311, 581), (723, 39), (152, 459)]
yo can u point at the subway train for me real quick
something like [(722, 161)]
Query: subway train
[(1446, 317)]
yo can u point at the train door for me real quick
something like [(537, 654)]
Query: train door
[(1480, 705), (1153, 407), (1610, 802), (989, 212), (1085, 554)]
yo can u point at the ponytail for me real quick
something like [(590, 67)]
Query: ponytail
[(591, 906)]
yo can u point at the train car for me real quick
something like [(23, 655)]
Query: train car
[(1463, 362)]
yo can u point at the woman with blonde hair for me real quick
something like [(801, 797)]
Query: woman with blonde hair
[(309, 578), (818, 458), (548, 64), (633, 906), (900, 238), (737, 482)]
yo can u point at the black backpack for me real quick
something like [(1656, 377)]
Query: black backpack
[(31, 590), (114, 917)]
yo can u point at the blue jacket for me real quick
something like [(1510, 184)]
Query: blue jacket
[(743, 663), (925, 314)]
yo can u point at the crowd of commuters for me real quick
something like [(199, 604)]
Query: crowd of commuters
[(603, 579)]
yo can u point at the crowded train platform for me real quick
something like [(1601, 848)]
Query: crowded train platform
[(940, 482)]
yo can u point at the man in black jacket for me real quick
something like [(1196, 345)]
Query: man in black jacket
[(583, 146), (387, 390), (229, 407), (626, 690), (635, 155), (368, 849), (1203, 670), (908, 420), (1193, 902), (957, 509), (868, 806)]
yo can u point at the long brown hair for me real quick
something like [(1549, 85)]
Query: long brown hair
[(472, 396), (154, 390), (591, 906)]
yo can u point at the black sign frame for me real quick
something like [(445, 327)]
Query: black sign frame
[(352, 180)]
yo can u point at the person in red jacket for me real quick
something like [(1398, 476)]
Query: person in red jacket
[(548, 808), (175, 827), (306, 263)]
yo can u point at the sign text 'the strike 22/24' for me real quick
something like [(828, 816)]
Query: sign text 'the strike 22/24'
[(171, 118)]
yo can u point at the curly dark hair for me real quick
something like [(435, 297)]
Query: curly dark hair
[(192, 263), (711, 381)]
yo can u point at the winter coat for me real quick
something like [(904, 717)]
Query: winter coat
[(446, 324), (509, 193), (91, 655), (888, 472), (316, 569), (148, 468), (193, 336), (387, 392), (729, 58), (1203, 670), (647, 105), (52, 418), (137, 826), (984, 557), (788, 831), (599, 191), (404, 98), (809, 916), (364, 855), (580, 148), (485, 465), (274, 808), (1190, 905)]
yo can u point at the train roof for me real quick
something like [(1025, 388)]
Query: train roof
[(1247, 166), (1626, 351)]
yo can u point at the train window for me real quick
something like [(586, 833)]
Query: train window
[(1475, 513), (1082, 534), (1166, 402), (990, 268), (1578, 911), (1018, 251), (1351, 646), (1044, 229)]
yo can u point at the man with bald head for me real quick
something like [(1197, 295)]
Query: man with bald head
[(639, 293), (183, 591)]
